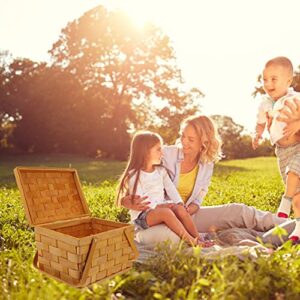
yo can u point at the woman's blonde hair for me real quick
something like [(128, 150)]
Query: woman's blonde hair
[(140, 146), (205, 128)]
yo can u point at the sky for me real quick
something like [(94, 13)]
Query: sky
[(221, 46)]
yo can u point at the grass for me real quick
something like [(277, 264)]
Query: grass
[(90, 170), (171, 275)]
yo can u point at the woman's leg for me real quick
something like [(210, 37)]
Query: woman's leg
[(167, 216), (213, 218), (154, 235)]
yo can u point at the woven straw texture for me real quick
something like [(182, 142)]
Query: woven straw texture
[(72, 246), (51, 194), (83, 253)]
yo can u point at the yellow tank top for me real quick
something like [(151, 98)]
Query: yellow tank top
[(186, 183)]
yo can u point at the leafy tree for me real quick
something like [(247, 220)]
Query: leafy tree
[(237, 144), (230, 133), (106, 77), (6, 122), (104, 49), (50, 110)]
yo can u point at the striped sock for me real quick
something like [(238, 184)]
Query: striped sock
[(295, 235), (284, 207)]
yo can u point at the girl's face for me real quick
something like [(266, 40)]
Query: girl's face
[(191, 143), (155, 154)]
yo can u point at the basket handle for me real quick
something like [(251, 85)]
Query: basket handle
[(92, 249), (131, 242), (35, 260), (88, 263)]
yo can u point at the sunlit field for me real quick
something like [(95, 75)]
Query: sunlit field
[(171, 275)]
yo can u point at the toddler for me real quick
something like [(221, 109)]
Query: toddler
[(277, 78)]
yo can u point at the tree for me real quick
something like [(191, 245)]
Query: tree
[(230, 133), (50, 110), (106, 78), (6, 121), (237, 144), (104, 50)]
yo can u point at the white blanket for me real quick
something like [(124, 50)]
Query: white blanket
[(235, 241)]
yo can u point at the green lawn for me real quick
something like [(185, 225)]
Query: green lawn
[(90, 170), (173, 274)]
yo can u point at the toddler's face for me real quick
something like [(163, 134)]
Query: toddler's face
[(276, 80)]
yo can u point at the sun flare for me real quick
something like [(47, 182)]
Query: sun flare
[(142, 12)]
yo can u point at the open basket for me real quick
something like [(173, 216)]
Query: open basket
[(71, 245)]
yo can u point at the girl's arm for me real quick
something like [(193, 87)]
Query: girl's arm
[(134, 202)]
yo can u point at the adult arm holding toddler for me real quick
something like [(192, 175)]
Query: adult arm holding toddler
[(290, 114)]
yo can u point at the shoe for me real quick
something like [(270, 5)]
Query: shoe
[(282, 215), (295, 239)]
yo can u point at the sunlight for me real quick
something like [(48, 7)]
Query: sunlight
[(142, 12), (137, 14), (205, 39)]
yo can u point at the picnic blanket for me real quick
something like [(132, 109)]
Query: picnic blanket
[(234, 241)]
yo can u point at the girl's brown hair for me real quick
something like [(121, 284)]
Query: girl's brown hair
[(206, 131), (141, 143)]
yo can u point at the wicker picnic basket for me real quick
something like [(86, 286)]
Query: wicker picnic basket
[(72, 246)]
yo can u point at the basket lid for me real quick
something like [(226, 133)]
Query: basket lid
[(50, 194)]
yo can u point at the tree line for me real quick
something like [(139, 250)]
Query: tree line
[(105, 78)]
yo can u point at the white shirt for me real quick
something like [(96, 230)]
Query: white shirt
[(154, 185), (265, 106), (276, 129), (268, 105)]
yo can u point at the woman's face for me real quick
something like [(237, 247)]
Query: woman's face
[(191, 143)]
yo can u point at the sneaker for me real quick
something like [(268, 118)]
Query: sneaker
[(295, 239), (282, 215)]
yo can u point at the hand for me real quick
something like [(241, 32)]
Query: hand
[(192, 208), (255, 141), (135, 202), (291, 128), (291, 112)]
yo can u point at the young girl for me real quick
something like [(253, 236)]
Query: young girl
[(144, 176)]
